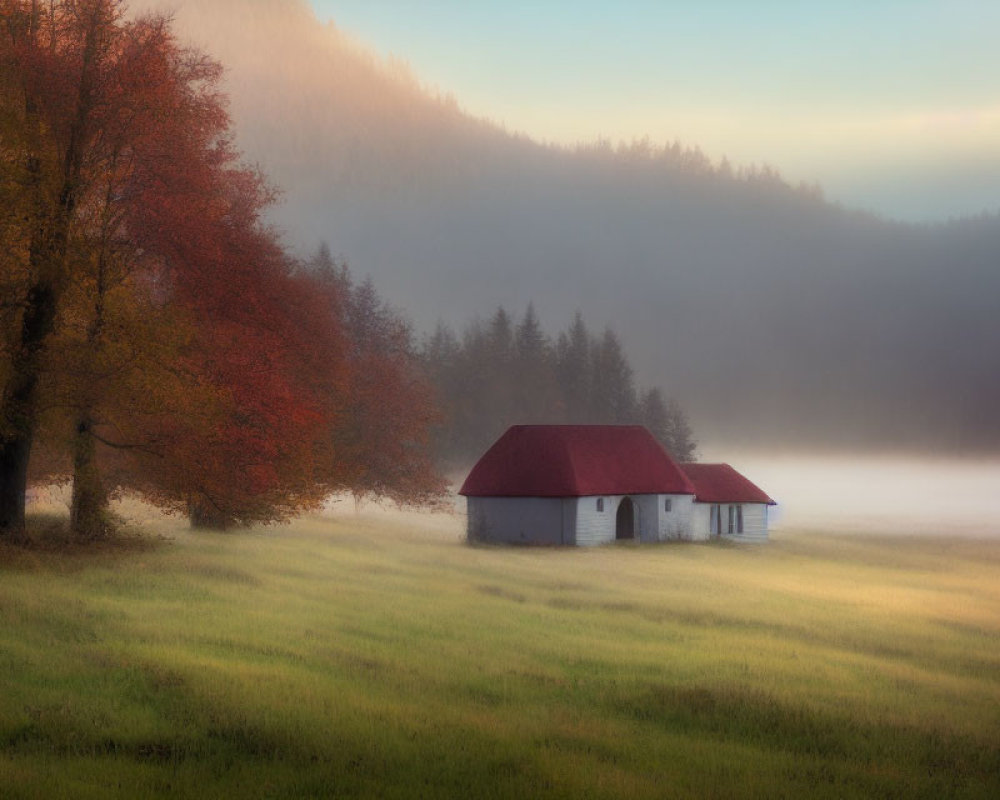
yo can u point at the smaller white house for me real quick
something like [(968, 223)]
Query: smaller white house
[(594, 484), (726, 504)]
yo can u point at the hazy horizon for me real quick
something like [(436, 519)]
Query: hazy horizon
[(888, 108), (890, 115)]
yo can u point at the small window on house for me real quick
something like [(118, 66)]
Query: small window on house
[(600, 504), (667, 504), (732, 519), (739, 519)]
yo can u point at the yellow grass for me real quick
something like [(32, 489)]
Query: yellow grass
[(377, 655)]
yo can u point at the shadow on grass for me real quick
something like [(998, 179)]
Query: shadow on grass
[(878, 748), (49, 544)]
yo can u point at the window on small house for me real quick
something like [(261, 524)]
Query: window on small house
[(732, 519), (667, 504), (739, 519), (600, 504)]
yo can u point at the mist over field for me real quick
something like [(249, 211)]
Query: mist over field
[(856, 494), (774, 316), (881, 494)]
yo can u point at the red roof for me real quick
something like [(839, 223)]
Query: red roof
[(575, 461), (720, 483)]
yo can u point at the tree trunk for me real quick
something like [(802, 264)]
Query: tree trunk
[(19, 409), (47, 259), (14, 452), (203, 514), (88, 515)]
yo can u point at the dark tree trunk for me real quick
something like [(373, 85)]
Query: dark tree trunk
[(19, 410), (14, 452), (47, 258), (88, 516), (203, 514)]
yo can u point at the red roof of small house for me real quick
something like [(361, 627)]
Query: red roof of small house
[(720, 483), (575, 461)]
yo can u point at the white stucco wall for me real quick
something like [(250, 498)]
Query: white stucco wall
[(754, 522), (521, 520), (576, 520), (593, 526), (653, 523), (677, 523), (700, 521)]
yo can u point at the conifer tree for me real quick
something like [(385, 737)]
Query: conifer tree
[(574, 370), (494, 377)]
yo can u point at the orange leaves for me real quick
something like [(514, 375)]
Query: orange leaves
[(211, 369), (381, 437)]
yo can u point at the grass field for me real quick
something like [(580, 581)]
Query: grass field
[(377, 655)]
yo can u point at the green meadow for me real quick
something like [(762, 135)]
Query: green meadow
[(377, 655)]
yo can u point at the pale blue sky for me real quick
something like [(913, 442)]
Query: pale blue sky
[(894, 106)]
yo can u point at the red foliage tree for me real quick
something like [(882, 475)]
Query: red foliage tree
[(152, 323), (381, 436), (48, 98), (120, 159), (263, 337)]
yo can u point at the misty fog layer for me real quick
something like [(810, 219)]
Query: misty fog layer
[(772, 315), (883, 494)]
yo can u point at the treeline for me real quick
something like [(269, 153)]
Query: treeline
[(505, 371), (155, 336)]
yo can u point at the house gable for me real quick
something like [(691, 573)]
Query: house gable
[(720, 483)]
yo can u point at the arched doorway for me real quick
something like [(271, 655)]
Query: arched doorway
[(625, 519)]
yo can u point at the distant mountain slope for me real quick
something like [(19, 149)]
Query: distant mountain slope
[(772, 315)]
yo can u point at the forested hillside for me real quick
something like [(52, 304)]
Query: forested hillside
[(772, 315)]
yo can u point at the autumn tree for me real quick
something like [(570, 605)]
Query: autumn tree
[(266, 334), (115, 358), (380, 434), (54, 61), (262, 455), (144, 297), (114, 367)]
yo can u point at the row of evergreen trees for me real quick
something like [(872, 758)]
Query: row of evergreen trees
[(504, 372)]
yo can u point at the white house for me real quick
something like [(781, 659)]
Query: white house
[(726, 504), (593, 484)]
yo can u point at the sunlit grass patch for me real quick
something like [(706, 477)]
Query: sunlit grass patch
[(362, 656)]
